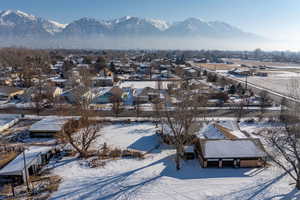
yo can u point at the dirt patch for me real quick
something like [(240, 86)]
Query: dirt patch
[(6, 157)]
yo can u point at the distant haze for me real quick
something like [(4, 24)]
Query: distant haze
[(18, 28)]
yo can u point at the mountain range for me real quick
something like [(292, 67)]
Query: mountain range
[(18, 24)]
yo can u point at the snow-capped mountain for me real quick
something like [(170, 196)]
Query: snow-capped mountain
[(86, 27), (20, 24), (198, 27), (134, 26)]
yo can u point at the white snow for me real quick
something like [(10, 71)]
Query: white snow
[(210, 131), (155, 177), (138, 136), (16, 166), (143, 84), (160, 24), (231, 149), (58, 24), (49, 124)]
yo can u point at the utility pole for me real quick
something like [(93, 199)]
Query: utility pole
[(246, 82), (25, 169)]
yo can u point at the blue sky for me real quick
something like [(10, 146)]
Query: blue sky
[(277, 19)]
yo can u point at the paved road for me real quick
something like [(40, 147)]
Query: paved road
[(150, 114)]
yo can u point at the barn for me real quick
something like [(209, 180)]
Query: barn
[(245, 152)]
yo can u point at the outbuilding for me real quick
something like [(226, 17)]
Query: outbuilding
[(33, 158), (220, 153), (47, 127)]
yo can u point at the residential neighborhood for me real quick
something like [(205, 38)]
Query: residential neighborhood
[(103, 124), (149, 100)]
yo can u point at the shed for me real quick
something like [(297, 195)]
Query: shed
[(47, 127), (35, 157), (244, 152)]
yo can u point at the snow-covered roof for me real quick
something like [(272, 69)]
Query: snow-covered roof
[(229, 124), (97, 92), (224, 148), (211, 132), (49, 124), (16, 166), (102, 78), (144, 84)]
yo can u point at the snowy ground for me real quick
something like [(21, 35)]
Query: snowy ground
[(279, 83), (137, 136), (155, 177)]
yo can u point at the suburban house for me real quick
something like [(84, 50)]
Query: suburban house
[(103, 95), (47, 127), (74, 95), (58, 82), (240, 72), (47, 91), (102, 81), (144, 95), (220, 153), (144, 68), (9, 93), (190, 72), (31, 160)]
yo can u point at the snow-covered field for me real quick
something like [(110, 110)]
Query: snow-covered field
[(137, 136), (155, 177), (278, 83)]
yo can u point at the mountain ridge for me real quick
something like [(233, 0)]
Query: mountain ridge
[(20, 24)]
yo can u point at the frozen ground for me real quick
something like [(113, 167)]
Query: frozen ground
[(155, 177), (278, 82), (137, 136)]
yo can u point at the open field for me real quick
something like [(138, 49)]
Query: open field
[(257, 63), (215, 66), (278, 84)]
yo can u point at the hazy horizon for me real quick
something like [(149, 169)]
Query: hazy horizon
[(275, 20)]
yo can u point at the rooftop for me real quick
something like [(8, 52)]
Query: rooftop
[(16, 166), (238, 148)]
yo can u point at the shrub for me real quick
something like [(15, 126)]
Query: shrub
[(115, 153)]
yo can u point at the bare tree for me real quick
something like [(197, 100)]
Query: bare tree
[(137, 106), (38, 97), (80, 134), (116, 104), (285, 146), (284, 142), (239, 109), (264, 99), (26, 63), (179, 120)]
